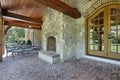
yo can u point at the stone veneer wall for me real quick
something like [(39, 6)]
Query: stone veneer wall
[(73, 34), (70, 33), (52, 26), (37, 37)]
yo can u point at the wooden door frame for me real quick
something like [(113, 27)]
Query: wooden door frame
[(106, 29), (111, 54), (100, 53)]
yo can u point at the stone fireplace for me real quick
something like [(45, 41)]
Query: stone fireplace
[(51, 47), (51, 44), (69, 34), (68, 41)]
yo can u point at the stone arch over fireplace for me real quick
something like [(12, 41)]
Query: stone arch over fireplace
[(51, 43)]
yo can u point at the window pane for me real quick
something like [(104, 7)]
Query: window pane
[(113, 48), (113, 27), (118, 18), (97, 32), (113, 11), (101, 14), (113, 37), (119, 25), (95, 36), (119, 49), (93, 23), (96, 47), (91, 41), (118, 11), (103, 48), (91, 47), (96, 22), (118, 36), (100, 47), (113, 19), (96, 17), (101, 28), (101, 21), (113, 41)]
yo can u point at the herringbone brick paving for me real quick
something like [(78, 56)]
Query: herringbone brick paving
[(30, 67)]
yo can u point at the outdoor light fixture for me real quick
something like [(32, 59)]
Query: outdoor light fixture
[(30, 26)]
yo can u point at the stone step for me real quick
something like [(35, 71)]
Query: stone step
[(49, 56)]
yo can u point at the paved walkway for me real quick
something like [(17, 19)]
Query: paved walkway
[(30, 67)]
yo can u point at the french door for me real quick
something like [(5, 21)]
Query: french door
[(104, 32)]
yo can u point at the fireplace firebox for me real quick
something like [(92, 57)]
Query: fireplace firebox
[(51, 44)]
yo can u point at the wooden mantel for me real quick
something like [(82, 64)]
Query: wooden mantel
[(62, 7)]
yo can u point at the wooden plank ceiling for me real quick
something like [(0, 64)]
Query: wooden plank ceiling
[(23, 13)]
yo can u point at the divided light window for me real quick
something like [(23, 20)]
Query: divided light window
[(115, 30), (97, 32), (104, 32)]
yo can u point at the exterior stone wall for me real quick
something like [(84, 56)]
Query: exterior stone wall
[(69, 35), (74, 34)]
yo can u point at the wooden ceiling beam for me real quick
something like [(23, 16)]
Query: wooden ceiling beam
[(20, 17), (6, 30), (22, 24), (62, 7), (17, 7)]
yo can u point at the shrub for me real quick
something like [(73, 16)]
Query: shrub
[(23, 42), (29, 42)]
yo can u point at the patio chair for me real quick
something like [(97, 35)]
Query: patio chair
[(8, 49), (36, 47), (16, 50), (26, 48)]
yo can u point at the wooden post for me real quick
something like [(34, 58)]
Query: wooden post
[(3, 40), (1, 36), (7, 29)]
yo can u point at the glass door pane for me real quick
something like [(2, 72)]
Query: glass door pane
[(97, 33), (104, 32), (115, 30), (114, 51)]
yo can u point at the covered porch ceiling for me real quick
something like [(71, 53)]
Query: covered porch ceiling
[(23, 13)]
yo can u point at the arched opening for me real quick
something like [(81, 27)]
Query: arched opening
[(104, 32), (51, 43)]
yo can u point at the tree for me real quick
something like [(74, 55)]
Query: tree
[(15, 34)]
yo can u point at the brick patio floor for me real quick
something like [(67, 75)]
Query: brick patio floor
[(30, 67)]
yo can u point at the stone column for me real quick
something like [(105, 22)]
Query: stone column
[(27, 34), (37, 37), (1, 36)]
